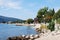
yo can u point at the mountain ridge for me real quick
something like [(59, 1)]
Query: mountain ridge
[(7, 19)]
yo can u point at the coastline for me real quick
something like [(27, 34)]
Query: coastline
[(42, 36), (22, 24)]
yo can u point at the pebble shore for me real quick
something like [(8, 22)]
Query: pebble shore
[(24, 37)]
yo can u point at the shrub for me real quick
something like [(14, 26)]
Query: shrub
[(43, 28), (58, 20), (51, 26)]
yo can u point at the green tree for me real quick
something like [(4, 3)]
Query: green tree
[(56, 15), (29, 21), (24, 21), (3, 22), (17, 21), (49, 15), (45, 14), (41, 12)]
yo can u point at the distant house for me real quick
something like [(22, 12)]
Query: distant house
[(36, 20)]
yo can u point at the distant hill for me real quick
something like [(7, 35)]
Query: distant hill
[(6, 19)]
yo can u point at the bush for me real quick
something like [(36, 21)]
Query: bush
[(43, 26), (58, 20), (51, 26), (29, 21)]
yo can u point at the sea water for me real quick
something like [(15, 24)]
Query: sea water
[(10, 30)]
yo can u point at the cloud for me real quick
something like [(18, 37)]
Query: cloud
[(10, 4), (1, 2), (14, 5)]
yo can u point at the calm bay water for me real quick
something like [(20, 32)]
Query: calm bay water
[(10, 30)]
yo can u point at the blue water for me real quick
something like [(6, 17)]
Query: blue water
[(10, 30)]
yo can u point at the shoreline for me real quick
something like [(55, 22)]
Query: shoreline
[(19, 24), (50, 36)]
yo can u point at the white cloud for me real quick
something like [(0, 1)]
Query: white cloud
[(1, 2), (13, 5), (10, 4)]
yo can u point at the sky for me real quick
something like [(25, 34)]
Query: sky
[(25, 9)]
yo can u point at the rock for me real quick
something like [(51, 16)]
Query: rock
[(36, 36), (23, 35)]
